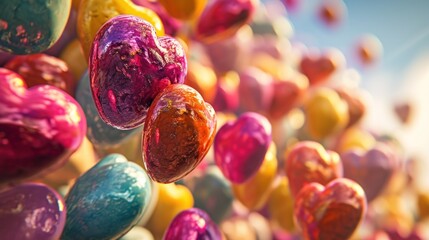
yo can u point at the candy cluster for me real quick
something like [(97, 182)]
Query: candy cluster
[(191, 119)]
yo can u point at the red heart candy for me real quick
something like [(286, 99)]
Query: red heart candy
[(332, 212), (39, 127), (309, 162)]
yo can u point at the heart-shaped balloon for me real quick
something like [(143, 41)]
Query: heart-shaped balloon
[(331, 212), (193, 223), (39, 127), (31, 211), (129, 67), (222, 18), (32, 26), (178, 133), (240, 146), (99, 133), (372, 169), (309, 162), (107, 201)]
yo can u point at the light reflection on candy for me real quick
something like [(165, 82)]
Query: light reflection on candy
[(132, 70), (192, 224), (40, 128), (240, 146), (309, 162), (113, 194), (32, 27), (31, 211), (331, 212)]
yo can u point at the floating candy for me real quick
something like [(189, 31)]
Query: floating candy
[(404, 112), (318, 67), (93, 14), (222, 19), (354, 138), (32, 27), (99, 133), (355, 103), (331, 212), (280, 205), (203, 79), (238, 227), (309, 162), (138, 233), (331, 12), (178, 133), (369, 49), (255, 90), (172, 199), (39, 127), (40, 68), (113, 194), (129, 66), (326, 113), (254, 192), (240, 146), (372, 169), (227, 98), (185, 9), (31, 211), (192, 224), (73, 56)]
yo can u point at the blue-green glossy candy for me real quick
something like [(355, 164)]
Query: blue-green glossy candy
[(31, 26), (107, 201)]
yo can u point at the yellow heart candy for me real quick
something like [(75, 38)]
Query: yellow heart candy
[(184, 9), (280, 206), (93, 14), (254, 193)]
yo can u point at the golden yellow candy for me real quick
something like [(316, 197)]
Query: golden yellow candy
[(73, 56), (326, 113), (423, 205), (355, 138), (280, 206), (75, 4), (203, 79), (254, 193), (184, 9), (172, 199), (93, 14)]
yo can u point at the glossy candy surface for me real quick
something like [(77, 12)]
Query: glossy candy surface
[(108, 200), (93, 14), (129, 66), (185, 9), (99, 133), (31, 211), (40, 128), (331, 212), (40, 69), (309, 162), (372, 169), (222, 18), (32, 26), (178, 133), (240, 146), (192, 224)]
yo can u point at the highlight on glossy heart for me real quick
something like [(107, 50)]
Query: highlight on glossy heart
[(40, 128), (178, 133), (129, 67), (108, 200), (309, 162), (240, 146), (31, 211), (331, 212)]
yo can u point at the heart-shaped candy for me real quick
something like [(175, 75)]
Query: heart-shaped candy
[(193, 223), (39, 127), (32, 26), (99, 133), (372, 170), (331, 212), (178, 133), (240, 146), (129, 67), (31, 211), (309, 162), (107, 201), (255, 90)]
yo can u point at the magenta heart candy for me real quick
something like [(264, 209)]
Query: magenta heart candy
[(372, 170), (31, 211), (240, 146), (39, 127), (129, 66), (192, 224)]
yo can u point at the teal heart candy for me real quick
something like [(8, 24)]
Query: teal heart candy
[(108, 200)]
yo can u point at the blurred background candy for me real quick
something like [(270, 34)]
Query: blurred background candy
[(31, 211), (32, 27)]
